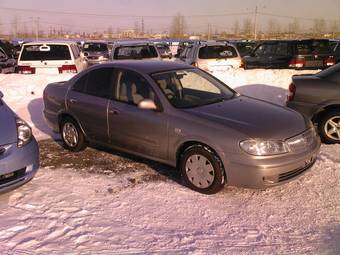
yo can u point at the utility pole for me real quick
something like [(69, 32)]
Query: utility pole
[(209, 31), (37, 29), (255, 23), (143, 26)]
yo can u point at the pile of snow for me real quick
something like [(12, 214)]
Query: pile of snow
[(24, 92)]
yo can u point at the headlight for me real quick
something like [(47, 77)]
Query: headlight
[(24, 132), (263, 147), (101, 58)]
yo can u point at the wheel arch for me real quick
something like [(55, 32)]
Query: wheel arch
[(317, 118)]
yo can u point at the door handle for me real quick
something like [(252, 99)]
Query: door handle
[(114, 111), (72, 101)]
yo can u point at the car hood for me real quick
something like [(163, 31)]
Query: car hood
[(254, 118), (8, 133)]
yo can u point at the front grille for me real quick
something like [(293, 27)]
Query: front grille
[(6, 178), (92, 57), (291, 174), (302, 142), (274, 179)]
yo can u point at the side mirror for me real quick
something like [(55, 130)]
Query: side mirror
[(1, 95), (147, 104)]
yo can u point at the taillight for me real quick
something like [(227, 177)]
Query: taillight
[(26, 70), (194, 64), (291, 92), (297, 63), (242, 65), (329, 61), (67, 69)]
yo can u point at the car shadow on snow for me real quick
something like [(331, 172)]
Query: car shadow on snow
[(103, 160), (35, 109), (265, 92)]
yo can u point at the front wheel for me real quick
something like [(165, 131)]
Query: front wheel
[(202, 170), (73, 137), (329, 127)]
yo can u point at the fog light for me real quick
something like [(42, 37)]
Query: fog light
[(29, 169)]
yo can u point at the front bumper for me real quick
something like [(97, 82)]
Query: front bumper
[(263, 172), (18, 165)]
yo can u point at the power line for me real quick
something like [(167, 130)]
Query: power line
[(122, 16)]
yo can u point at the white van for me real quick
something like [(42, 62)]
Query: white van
[(50, 58)]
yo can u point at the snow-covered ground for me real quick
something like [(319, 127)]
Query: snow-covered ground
[(89, 209)]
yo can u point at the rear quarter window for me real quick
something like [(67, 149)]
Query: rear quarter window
[(41, 52)]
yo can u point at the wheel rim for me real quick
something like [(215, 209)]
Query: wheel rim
[(200, 171), (70, 134), (332, 128)]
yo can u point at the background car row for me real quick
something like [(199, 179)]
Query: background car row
[(47, 56)]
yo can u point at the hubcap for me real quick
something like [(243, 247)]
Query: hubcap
[(200, 171), (332, 128), (70, 134)]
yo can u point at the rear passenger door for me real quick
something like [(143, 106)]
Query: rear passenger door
[(134, 129), (88, 100), (280, 55)]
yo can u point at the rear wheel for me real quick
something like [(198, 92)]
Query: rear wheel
[(329, 127), (202, 170), (73, 137)]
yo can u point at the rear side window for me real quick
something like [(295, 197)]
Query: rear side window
[(45, 52), (96, 83), (135, 52), (217, 52), (99, 83), (280, 49)]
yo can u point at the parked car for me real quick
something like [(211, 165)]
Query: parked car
[(245, 48), (318, 97), (335, 45), (50, 58), (296, 54), (19, 153), (182, 116), (164, 50), (96, 52), (7, 63), (211, 56), (135, 50)]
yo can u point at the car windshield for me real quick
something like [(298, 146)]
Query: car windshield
[(135, 52), (217, 52), (192, 88), (95, 47), (45, 52), (313, 47)]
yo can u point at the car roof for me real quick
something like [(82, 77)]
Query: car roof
[(147, 66), (133, 43), (50, 42)]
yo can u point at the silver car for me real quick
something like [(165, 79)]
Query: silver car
[(19, 152), (182, 116)]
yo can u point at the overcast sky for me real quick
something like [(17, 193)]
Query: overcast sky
[(164, 9)]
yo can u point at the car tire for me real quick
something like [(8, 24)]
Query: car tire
[(202, 170), (329, 127), (73, 137)]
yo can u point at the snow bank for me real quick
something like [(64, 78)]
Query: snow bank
[(24, 92)]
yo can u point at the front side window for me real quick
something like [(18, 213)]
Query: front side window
[(132, 88), (45, 52), (191, 88)]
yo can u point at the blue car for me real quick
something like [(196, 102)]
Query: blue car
[(19, 152)]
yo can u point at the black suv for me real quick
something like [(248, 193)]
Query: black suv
[(297, 54)]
